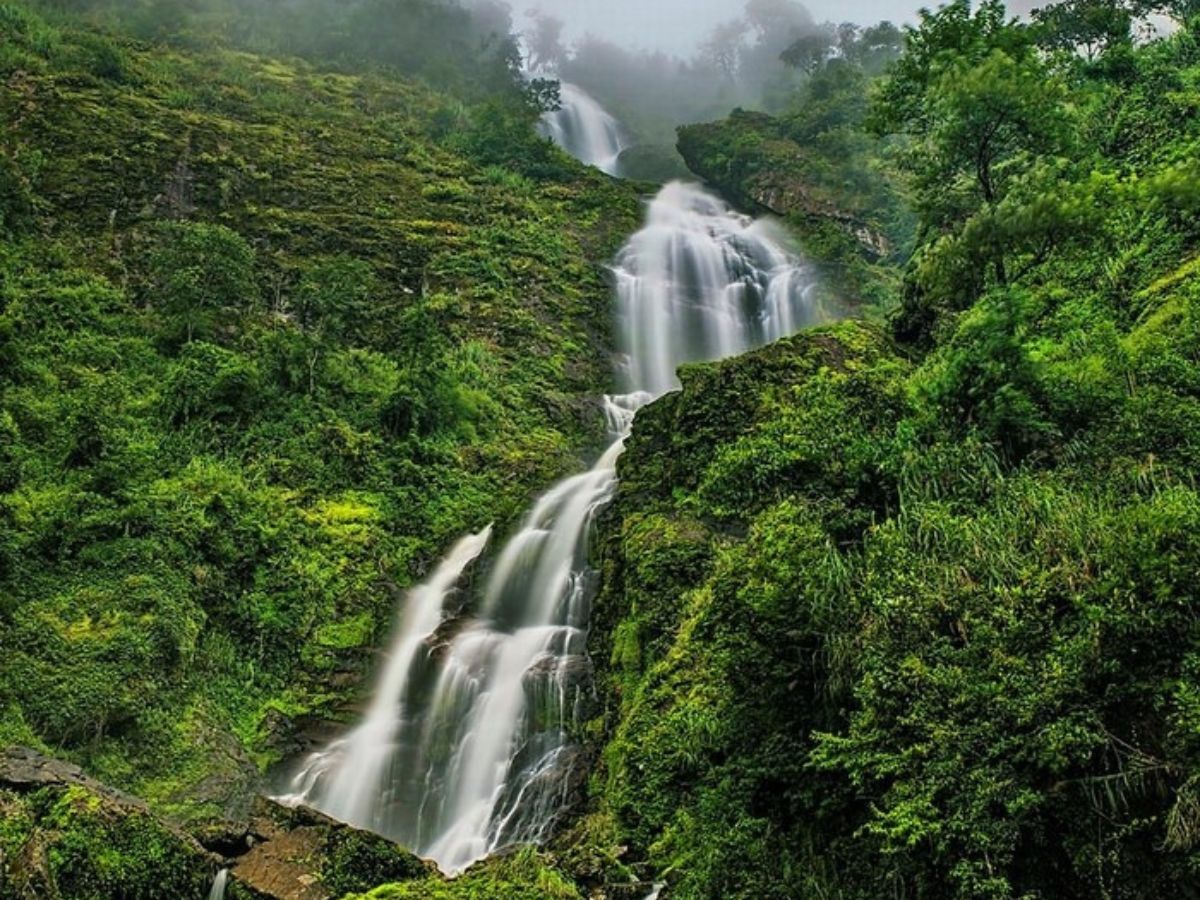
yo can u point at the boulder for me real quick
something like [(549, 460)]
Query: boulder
[(66, 835)]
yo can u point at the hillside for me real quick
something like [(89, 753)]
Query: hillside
[(270, 343), (908, 609), (903, 605)]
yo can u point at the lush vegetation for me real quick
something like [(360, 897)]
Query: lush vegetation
[(270, 338), (70, 842), (909, 609), (902, 607)]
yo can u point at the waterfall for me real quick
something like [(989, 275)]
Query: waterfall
[(353, 777), (466, 745), (218, 886), (583, 128), (700, 282)]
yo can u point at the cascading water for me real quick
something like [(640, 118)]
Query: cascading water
[(355, 777), (583, 128), (220, 882), (465, 748)]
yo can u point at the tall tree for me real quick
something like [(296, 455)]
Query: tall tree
[(199, 272)]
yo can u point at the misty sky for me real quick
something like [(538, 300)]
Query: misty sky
[(680, 25)]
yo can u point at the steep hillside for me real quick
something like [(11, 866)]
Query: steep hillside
[(272, 338), (903, 606), (911, 610)]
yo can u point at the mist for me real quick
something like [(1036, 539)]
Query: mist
[(747, 54), (679, 27)]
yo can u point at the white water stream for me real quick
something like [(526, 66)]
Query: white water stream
[(584, 128), (466, 746), (219, 885)]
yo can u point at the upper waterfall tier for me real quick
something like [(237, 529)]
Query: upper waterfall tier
[(701, 282), (583, 128)]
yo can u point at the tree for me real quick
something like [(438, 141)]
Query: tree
[(809, 52), (1092, 26), (979, 111), (724, 48), (544, 42), (979, 107), (991, 123), (986, 114), (333, 306), (199, 271), (954, 36), (775, 20), (875, 47)]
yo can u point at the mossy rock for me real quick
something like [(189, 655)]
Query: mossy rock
[(64, 836)]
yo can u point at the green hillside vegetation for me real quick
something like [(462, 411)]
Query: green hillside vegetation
[(903, 606), (272, 338), (911, 610)]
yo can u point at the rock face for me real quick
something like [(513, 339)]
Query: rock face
[(25, 770), (300, 854), (751, 161)]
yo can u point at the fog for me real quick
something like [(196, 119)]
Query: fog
[(680, 26), (658, 67), (653, 65)]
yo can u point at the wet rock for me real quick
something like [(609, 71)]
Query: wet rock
[(443, 639), (293, 737), (300, 854), (571, 673)]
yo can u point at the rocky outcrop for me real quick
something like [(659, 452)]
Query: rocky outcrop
[(752, 162), (25, 770), (300, 854), (65, 835)]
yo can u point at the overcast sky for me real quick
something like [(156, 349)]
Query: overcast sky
[(680, 25)]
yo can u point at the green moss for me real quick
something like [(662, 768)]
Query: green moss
[(523, 875), (356, 861), (90, 847), (346, 635)]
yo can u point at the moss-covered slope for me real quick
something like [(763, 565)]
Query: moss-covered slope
[(270, 339), (841, 649)]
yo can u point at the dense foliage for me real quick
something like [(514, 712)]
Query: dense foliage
[(913, 613), (902, 609), (270, 339)]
